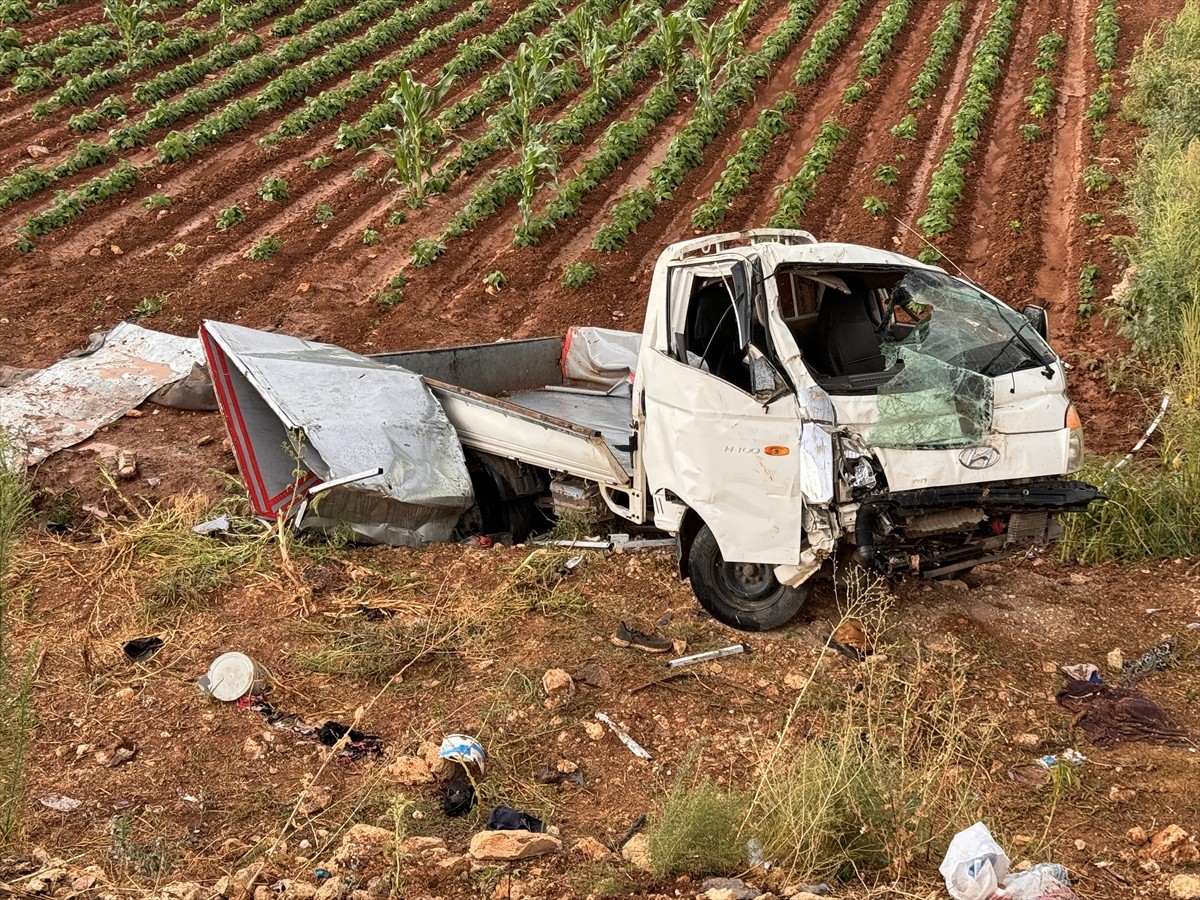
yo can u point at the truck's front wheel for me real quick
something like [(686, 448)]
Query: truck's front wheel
[(746, 596)]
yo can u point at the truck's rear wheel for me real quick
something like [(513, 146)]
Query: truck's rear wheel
[(746, 596)]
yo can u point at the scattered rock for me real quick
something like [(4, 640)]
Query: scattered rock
[(37, 150), (1137, 835), (454, 865), (365, 851), (558, 686), (1029, 739), (409, 770), (95, 251), (253, 749), (636, 852), (592, 849), (115, 250), (83, 883), (315, 798), (239, 884), (441, 769), (1174, 845), (728, 889), (509, 888), (511, 845), (594, 730), (1080, 845), (1185, 887), (794, 681), (117, 753), (419, 844), (1115, 660), (1121, 795), (182, 890), (335, 888), (1078, 578)]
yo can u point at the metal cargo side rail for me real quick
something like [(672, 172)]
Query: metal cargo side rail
[(495, 426)]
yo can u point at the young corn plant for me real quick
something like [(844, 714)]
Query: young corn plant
[(673, 30), (531, 77), (129, 17), (716, 49), (418, 137)]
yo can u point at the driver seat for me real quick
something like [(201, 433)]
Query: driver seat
[(846, 340)]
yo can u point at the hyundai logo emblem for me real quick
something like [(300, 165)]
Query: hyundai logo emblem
[(979, 457)]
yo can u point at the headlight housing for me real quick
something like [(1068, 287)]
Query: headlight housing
[(1075, 440)]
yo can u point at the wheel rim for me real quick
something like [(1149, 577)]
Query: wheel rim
[(747, 586)]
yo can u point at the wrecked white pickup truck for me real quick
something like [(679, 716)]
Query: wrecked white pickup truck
[(786, 397)]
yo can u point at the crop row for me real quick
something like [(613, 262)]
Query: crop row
[(76, 90), (198, 99), (472, 56), (607, 89), (1041, 95), (328, 104), (792, 197), (68, 205), (946, 185), (686, 149), (877, 47), (14, 56), (941, 45), (181, 77), (294, 82), (1104, 39), (735, 178), (827, 40)]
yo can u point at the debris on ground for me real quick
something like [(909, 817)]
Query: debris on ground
[(505, 818), (1112, 715), (708, 655), (632, 638), (141, 649), (977, 868), (71, 400), (232, 676), (1153, 660), (634, 747)]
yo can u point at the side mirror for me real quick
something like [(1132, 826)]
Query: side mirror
[(1039, 319)]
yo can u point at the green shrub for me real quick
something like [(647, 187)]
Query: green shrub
[(264, 249), (578, 274), (230, 216)]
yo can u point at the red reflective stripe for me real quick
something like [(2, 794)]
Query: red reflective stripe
[(243, 450)]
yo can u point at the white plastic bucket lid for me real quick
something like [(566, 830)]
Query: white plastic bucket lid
[(231, 676)]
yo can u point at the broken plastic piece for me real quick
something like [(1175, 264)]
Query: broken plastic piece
[(220, 523), (60, 803), (634, 747), (731, 650)]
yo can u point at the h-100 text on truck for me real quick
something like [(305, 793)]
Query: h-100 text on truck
[(786, 396)]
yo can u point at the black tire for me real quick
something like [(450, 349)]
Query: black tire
[(746, 596)]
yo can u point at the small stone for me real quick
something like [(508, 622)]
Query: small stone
[(1115, 660), (1174, 845), (303, 287), (127, 464), (365, 851), (728, 889), (454, 865), (1121, 795), (1080, 845), (1029, 739), (334, 888), (252, 749), (83, 883), (1021, 840), (558, 686), (37, 886), (182, 890), (594, 730), (794, 681), (95, 251), (115, 250), (36, 150), (512, 845), (1185, 887), (314, 799), (636, 852), (1078, 578), (1137, 835), (592, 849), (409, 770), (509, 888), (679, 647), (421, 844)]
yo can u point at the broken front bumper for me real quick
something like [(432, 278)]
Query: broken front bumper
[(938, 531)]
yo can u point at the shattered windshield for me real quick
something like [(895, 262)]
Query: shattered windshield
[(946, 341), (942, 317)]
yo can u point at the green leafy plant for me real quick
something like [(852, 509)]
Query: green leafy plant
[(150, 306), (319, 162), (393, 293), (397, 217), (157, 201), (1096, 180), (1016, 226), (1031, 133), (425, 251), (230, 216), (929, 255), (360, 172), (419, 136), (323, 213), (578, 274), (273, 188), (888, 175), (941, 43), (874, 206), (906, 128), (371, 237), (1092, 220), (264, 249), (495, 281)]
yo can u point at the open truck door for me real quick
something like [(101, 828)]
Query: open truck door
[(722, 439)]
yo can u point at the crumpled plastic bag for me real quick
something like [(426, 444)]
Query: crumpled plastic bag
[(975, 864), (1045, 881)]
